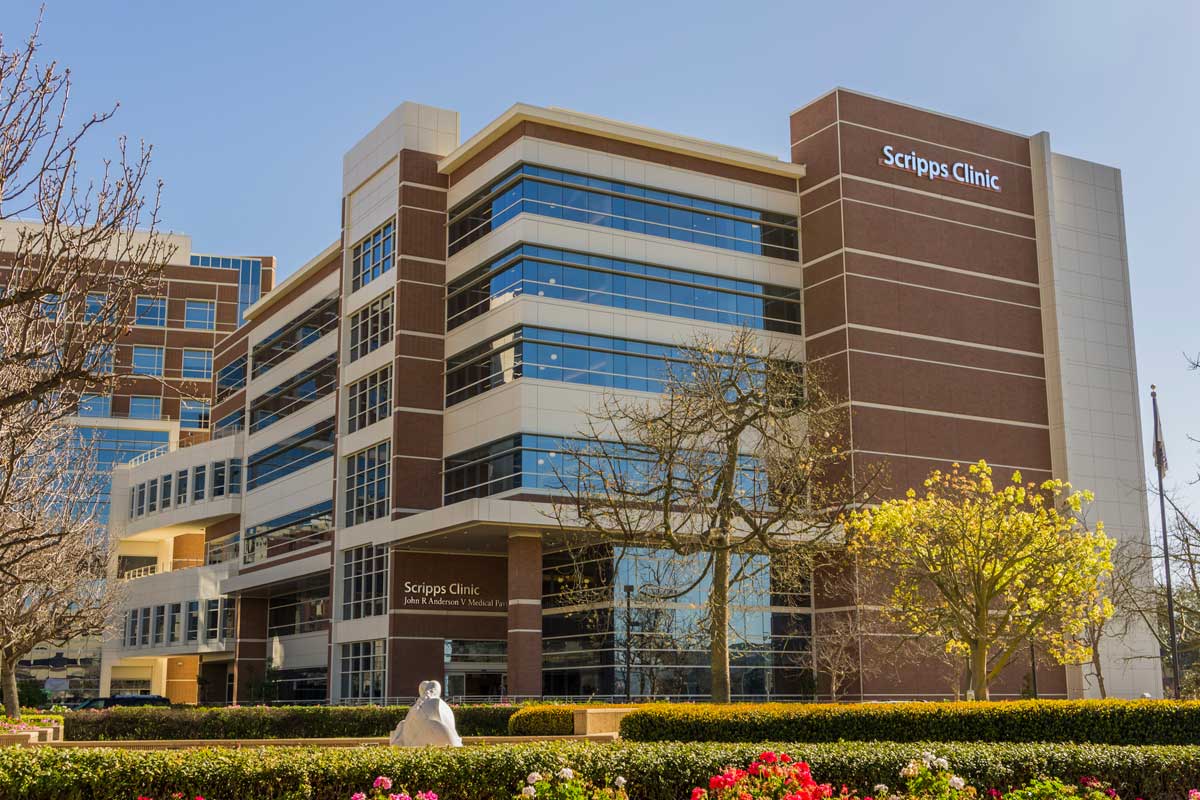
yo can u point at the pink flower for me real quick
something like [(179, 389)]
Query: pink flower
[(383, 782), (426, 796), (358, 796)]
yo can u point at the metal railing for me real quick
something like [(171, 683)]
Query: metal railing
[(138, 572), (218, 551), (170, 447)]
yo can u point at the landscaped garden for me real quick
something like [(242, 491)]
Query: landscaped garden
[(1033, 750)]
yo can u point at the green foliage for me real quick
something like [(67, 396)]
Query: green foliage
[(655, 771), (30, 694), (266, 722), (543, 720), (1101, 721)]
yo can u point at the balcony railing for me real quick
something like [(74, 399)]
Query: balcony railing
[(138, 572), (170, 447), (218, 551)]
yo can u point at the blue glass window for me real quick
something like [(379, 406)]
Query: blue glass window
[(295, 335), (301, 449), (144, 407), (599, 280), (530, 461), (197, 364), (200, 315), (150, 311), (95, 405), (230, 378), (555, 355), (94, 306), (293, 531), (193, 414), (147, 360), (295, 394), (612, 204), (372, 256), (230, 423)]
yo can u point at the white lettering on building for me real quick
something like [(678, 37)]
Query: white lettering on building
[(958, 172)]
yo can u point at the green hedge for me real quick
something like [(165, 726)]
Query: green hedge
[(266, 722), (543, 720), (1101, 721), (658, 771)]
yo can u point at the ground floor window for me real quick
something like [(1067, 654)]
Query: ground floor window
[(476, 669), (301, 685), (364, 670), (634, 621)]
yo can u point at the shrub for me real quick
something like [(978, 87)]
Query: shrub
[(655, 771), (265, 722), (543, 720), (1100, 721)]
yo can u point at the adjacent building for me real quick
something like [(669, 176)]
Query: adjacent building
[(161, 397), (369, 507)]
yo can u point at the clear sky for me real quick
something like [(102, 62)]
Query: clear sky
[(250, 105)]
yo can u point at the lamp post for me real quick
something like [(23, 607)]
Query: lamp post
[(628, 643)]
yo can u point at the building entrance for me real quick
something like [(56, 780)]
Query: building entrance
[(476, 669)]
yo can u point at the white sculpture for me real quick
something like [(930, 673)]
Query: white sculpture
[(429, 722)]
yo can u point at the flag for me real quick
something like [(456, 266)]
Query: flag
[(1160, 447)]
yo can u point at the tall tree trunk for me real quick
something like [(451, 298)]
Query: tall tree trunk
[(718, 605), (979, 678), (1099, 670), (8, 679)]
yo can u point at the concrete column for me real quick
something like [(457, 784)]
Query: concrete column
[(250, 651), (525, 614)]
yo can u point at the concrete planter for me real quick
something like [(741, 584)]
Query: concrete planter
[(20, 738)]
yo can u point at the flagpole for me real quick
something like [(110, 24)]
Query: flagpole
[(1159, 465)]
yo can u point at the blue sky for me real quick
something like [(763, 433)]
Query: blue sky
[(250, 105)]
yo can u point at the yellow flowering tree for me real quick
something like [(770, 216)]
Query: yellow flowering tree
[(987, 570)]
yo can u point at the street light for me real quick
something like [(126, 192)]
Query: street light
[(628, 643)]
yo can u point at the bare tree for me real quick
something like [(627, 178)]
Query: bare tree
[(74, 254), (1140, 593), (59, 592), (737, 469)]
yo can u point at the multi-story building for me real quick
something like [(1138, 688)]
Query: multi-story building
[(371, 510), (161, 397)]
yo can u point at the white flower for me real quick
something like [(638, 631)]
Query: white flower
[(957, 783), (534, 777), (941, 763), (566, 774), (529, 791), (912, 770), (881, 790), (619, 782), (928, 756)]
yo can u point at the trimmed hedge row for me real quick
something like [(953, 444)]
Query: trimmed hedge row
[(265, 722), (543, 720), (1100, 721), (659, 771)]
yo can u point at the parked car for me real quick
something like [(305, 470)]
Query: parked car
[(124, 700)]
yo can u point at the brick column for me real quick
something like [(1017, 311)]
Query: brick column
[(525, 614), (250, 651)]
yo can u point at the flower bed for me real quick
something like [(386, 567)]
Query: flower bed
[(655, 771), (1101, 721), (776, 776), (266, 722)]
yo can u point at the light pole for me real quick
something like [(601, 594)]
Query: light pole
[(628, 643)]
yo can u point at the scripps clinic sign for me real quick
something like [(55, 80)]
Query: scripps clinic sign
[(450, 583), (453, 596), (958, 172)]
